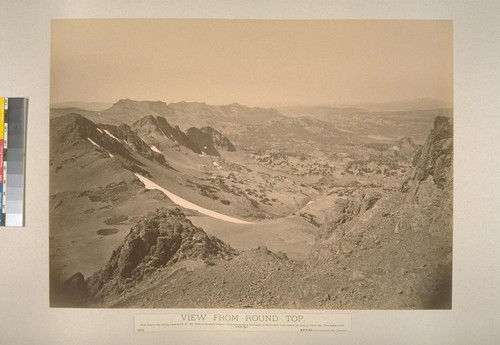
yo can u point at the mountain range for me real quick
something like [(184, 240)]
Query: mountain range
[(236, 209), (129, 111)]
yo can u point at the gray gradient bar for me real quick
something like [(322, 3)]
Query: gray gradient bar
[(16, 153)]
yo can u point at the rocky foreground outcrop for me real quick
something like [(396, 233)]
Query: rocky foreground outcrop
[(161, 238), (434, 159)]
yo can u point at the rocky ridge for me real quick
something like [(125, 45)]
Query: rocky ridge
[(159, 125), (161, 238), (110, 140), (205, 140)]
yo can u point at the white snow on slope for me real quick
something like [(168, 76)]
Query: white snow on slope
[(155, 149), (187, 204), (111, 135), (93, 142)]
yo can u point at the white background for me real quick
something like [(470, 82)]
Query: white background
[(25, 316)]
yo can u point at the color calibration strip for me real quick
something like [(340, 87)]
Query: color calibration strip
[(13, 113)]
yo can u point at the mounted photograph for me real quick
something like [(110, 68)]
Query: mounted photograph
[(265, 164)]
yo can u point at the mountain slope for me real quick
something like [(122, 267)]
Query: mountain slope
[(397, 253), (94, 195), (113, 140)]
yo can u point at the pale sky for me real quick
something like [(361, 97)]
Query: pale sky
[(252, 62)]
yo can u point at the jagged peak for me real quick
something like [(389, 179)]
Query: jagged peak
[(435, 157), (162, 237)]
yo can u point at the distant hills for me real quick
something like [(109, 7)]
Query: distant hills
[(130, 111), (363, 108), (92, 106), (407, 105)]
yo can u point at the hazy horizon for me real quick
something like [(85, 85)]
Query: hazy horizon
[(258, 63), (110, 103)]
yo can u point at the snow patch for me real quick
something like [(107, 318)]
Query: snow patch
[(111, 135), (165, 136), (379, 137), (100, 131), (155, 149), (184, 203), (93, 142), (96, 144)]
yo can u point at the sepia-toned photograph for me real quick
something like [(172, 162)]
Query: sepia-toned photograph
[(265, 164)]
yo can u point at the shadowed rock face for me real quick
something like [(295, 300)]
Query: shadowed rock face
[(218, 140), (161, 238), (210, 140), (176, 134), (199, 140), (435, 157)]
